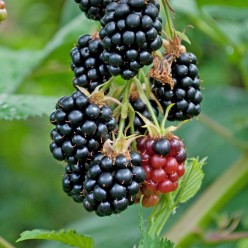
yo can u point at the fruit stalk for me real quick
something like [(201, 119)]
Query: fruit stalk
[(168, 18), (124, 108), (144, 98)]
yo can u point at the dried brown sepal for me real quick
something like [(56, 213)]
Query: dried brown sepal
[(173, 46), (161, 70), (134, 94)]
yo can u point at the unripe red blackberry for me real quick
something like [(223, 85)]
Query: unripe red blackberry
[(112, 183), (185, 94), (81, 128), (130, 32), (87, 64), (93, 9), (163, 161)]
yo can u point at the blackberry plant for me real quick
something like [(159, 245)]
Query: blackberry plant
[(127, 156)]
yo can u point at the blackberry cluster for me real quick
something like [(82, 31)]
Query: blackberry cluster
[(94, 9), (186, 93), (163, 161), (130, 32), (139, 106), (81, 127), (112, 183), (89, 69)]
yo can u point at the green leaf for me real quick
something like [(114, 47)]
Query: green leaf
[(69, 237), (192, 179), (154, 241), (23, 106), (17, 65)]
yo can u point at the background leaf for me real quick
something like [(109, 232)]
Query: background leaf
[(23, 106), (70, 237)]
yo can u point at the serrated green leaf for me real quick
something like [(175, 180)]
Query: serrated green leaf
[(70, 237), (23, 106), (155, 241), (192, 179)]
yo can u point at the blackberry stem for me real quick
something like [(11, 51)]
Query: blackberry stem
[(124, 108), (168, 18), (161, 214), (144, 98), (108, 84)]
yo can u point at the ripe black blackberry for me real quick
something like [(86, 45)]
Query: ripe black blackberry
[(112, 183), (73, 180), (94, 9), (81, 128), (130, 32), (186, 92), (139, 106), (89, 69)]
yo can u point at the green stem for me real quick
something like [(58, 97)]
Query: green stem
[(5, 244), (124, 108), (223, 132), (168, 18), (108, 84), (212, 200), (147, 102), (162, 215)]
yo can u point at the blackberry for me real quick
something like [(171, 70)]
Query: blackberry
[(87, 64), (112, 183), (81, 128), (130, 32), (186, 94), (93, 9), (139, 106), (163, 161)]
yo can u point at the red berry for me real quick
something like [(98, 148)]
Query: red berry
[(147, 170), (149, 146), (151, 185), (166, 186), (141, 143), (174, 177), (175, 146), (175, 185), (181, 156), (158, 175), (171, 165), (157, 161), (145, 158), (150, 201), (180, 170)]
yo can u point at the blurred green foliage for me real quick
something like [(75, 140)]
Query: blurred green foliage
[(34, 61)]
